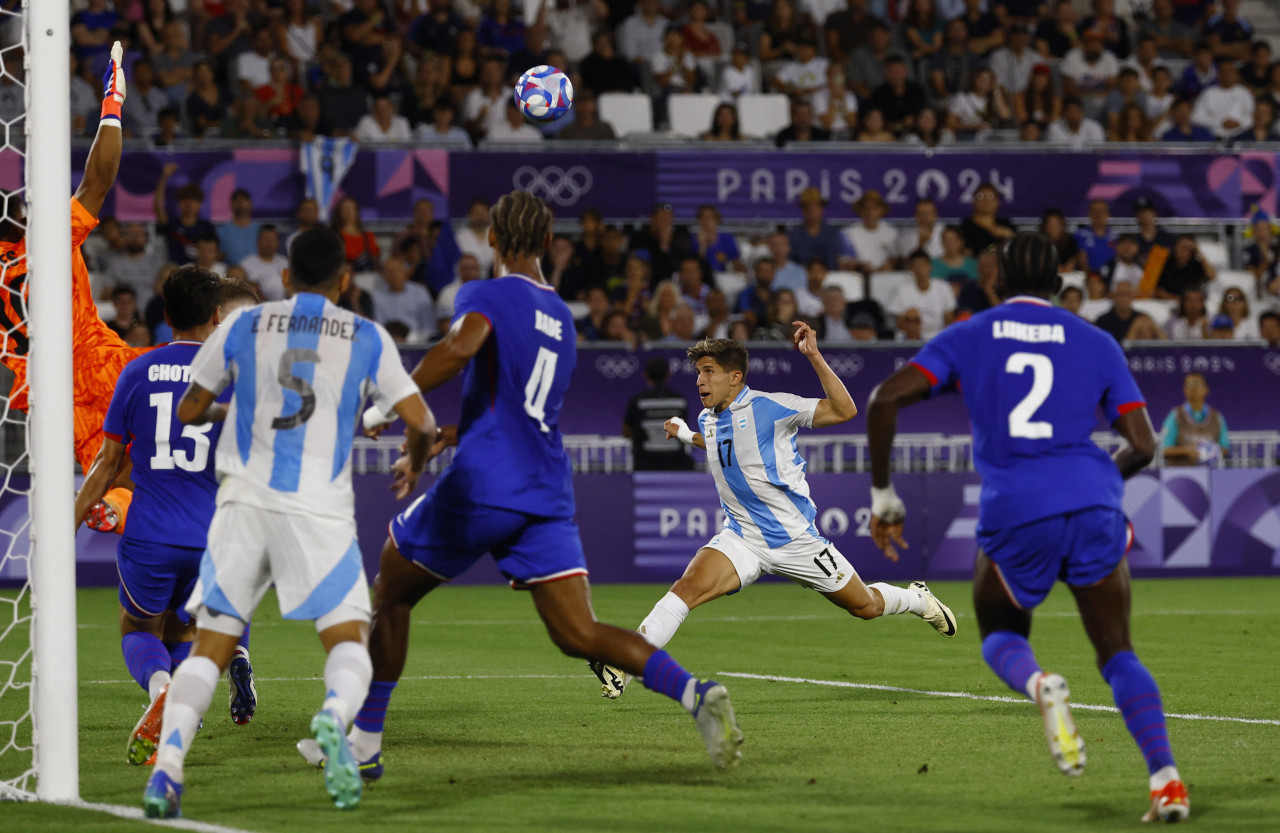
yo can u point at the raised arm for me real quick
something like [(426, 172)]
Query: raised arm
[(104, 157), (157, 199), (448, 358), (102, 474), (678, 429), (838, 407), (906, 387)]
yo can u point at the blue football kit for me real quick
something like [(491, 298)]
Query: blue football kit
[(1032, 377), (509, 489), (174, 481)]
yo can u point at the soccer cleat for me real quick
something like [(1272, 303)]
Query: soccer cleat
[(163, 797), (244, 694), (341, 772), (935, 612), (1065, 744), (713, 713), (370, 770), (612, 680), (102, 517), (1169, 804), (146, 735)]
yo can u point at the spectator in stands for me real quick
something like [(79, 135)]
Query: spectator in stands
[(1145, 61), (229, 36), (569, 25), (954, 265), (783, 30), (151, 20), (1256, 74), (693, 290), (298, 34), (780, 325), (641, 35), (910, 326), (1113, 30), (1194, 432), (363, 253), (442, 130), (1199, 74), (674, 71), (862, 327), (1173, 38), (357, 300), (1190, 321), (666, 243), (1095, 302), (724, 125), (809, 296), (1131, 126), (1070, 299), (1150, 234), (1182, 128), (500, 32), (206, 106), (927, 131), (832, 325), (265, 267), (1227, 33), (984, 31), (590, 327), (655, 323), (370, 42), (253, 66), (307, 122), (1089, 72), (802, 127), (951, 69), (398, 299), (85, 97), (430, 85), (865, 67), (1013, 63), (873, 241), (604, 71), (611, 268), (1125, 267), (1236, 306), (1116, 321), (280, 96), (180, 232), (835, 106), (207, 253), (788, 273), (587, 127), (646, 413), (984, 226), (436, 31), (717, 319), (307, 216), (1269, 328), (1159, 102), (847, 29), (814, 237), (1143, 328), (922, 29), (472, 238), (91, 34), (873, 129), (684, 324), (898, 98), (739, 77), (1096, 239), (982, 294), (383, 124), (125, 300), (1262, 256), (1054, 226), (1039, 103), (981, 107), (700, 41), (485, 107), (1057, 36), (924, 233), (142, 108), (341, 103), (1185, 269), (136, 265), (1226, 107), (239, 237), (717, 248), (932, 297), (1272, 92), (1221, 328), (805, 73), (1262, 129), (468, 271), (753, 301), (1128, 90)]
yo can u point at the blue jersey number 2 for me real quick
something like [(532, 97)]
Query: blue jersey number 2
[(1020, 423)]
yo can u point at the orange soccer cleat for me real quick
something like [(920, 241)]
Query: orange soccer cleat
[(110, 513), (145, 737), (1169, 804)]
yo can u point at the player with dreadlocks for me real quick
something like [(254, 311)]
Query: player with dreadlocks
[(1033, 376), (509, 491)]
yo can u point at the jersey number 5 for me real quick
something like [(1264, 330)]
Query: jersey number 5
[(298, 385), (538, 387), (1020, 422), (166, 459)]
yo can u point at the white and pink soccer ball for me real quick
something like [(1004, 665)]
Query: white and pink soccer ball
[(543, 94)]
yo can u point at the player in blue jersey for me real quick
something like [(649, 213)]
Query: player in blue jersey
[(174, 485), (509, 490), (299, 371), (1033, 377), (768, 514)]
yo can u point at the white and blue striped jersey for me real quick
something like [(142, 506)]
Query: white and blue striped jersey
[(759, 473), (300, 370)]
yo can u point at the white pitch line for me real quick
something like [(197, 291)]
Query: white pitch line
[(136, 814), (318, 678), (964, 695)]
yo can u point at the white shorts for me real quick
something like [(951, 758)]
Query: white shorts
[(812, 562), (314, 562)]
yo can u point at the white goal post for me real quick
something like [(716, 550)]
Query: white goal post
[(54, 696)]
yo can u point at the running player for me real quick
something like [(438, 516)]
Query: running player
[(174, 486), (98, 354), (300, 370), (509, 490), (768, 514), (1033, 377)]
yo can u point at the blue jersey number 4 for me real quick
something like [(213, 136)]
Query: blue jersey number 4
[(538, 387)]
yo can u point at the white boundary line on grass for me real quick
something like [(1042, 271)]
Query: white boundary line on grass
[(136, 814), (964, 695)]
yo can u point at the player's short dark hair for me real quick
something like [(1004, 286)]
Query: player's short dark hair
[(1029, 263), (1269, 315), (657, 370), (521, 223), (317, 257), (239, 291), (190, 192), (1077, 290), (124, 289), (191, 296), (725, 352)]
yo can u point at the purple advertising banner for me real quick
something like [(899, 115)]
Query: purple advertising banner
[(744, 185)]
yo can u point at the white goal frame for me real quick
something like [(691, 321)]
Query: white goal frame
[(54, 695)]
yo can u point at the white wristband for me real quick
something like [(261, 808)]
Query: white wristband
[(683, 432), (373, 418), (886, 505)]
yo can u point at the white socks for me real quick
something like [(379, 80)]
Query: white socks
[(364, 745), (158, 681), (664, 620), (1162, 776), (900, 600), (189, 696), (347, 673), (689, 698)]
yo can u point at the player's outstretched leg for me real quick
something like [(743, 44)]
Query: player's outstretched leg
[(242, 692), (149, 665), (1104, 609), (565, 608), (347, 672), (880, 599), (1004, 628)]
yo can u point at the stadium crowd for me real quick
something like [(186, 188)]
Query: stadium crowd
[(439, 71)]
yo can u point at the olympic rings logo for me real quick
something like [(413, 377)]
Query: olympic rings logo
[(845, 365), (554, 184), (617, 366), (1272, 362)]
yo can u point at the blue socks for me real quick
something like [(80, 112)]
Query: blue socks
[(1138, 699), (244, 638), (178, 651), (665, 676), (144, 655), (373, 714), (1011, 657)]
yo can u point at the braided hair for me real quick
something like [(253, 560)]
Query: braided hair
[(1029, 263), (521, 223)]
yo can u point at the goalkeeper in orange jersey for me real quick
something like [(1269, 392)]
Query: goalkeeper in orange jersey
[(98, 354)]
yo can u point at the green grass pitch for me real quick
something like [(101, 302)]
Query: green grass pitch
[(494, 730)]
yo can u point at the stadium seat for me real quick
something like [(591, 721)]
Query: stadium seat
[(849, 282), (1159, 311), (690, 113), (884, 285), (1237, 278), (1215, 253), (1075, 279), (763, 115), (731, 284), (578, 309), (627, 112), (368, 281)]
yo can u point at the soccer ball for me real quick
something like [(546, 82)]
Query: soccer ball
[(543, 93)]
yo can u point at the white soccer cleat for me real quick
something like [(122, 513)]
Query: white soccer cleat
[(1065, 744), (713, 713), (311, 752), (935, 612), (613, 681)]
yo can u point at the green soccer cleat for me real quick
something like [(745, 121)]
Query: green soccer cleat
[(341, 772)]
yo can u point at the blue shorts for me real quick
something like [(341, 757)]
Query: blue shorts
[(446, 538), (1081, 548), (156, 577)]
